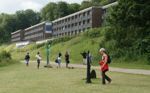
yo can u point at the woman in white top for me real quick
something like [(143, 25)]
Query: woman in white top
[(59, 61), (38, 59)]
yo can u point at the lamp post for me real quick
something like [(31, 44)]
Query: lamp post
[(47, 52), (88, 78)]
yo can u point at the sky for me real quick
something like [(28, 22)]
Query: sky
[(11, 6)]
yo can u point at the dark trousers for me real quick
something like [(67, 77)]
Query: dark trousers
[(105, 77), (38, 64)]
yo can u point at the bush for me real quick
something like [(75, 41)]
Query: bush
[(40, 45), (4, 55), (62, 39), (92, 33)]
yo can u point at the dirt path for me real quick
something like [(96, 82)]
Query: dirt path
[(114, 69)]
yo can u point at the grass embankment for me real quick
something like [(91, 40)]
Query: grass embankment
[(21, 79)]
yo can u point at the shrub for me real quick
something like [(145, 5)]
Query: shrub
[(62, 39), (5, 56), (92, 33)]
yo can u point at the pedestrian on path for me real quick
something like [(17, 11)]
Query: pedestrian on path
[(58, 60), (84, 55), (104, 66), (67, 59), (27, 58), (38, 56)]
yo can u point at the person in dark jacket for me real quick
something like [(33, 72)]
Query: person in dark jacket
[(84, 55), (27, 58), (67, 59)]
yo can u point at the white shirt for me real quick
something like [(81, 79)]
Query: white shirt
[(38, 57)]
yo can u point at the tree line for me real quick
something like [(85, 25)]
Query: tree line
[(128, 29)]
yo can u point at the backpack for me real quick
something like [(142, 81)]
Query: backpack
[(109, 59), (56, 60)]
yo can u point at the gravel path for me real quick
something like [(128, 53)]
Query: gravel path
[(114, 69)]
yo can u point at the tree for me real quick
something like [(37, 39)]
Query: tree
[(62, 9), (73, 8), (49, 12), (85, 4), (20, 20), (7, 25), (27, 18), (32, 16), (131, 24)]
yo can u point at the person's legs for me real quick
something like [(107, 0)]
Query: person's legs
[(66, 64), (27, 64), (38, 64), (59, 64), (107, 78), (103, 77)]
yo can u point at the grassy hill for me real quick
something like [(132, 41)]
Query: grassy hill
[(75, 46)]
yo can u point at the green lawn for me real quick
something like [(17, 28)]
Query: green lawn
[(18, 78), (130, 65)]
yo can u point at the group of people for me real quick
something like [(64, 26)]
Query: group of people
[(38, 57), (58, 59), (67, 59), (103, 63)]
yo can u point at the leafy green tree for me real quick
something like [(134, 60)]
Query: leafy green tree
[(85, 4), (130, 23), (49, 12), (62, 9), (73, 8), (27, 18)]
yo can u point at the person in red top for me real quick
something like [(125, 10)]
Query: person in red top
[(104, 66)]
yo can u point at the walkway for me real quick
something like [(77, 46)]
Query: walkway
[(114, 69)]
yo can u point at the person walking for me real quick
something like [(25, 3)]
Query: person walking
[(104, 66), (38, 56), (58, 60), (27, 58), (67, 59), (84, 55)]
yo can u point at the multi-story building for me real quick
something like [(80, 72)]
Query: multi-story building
[(17, 36), (38, 32), (72, 24), (77, 22)]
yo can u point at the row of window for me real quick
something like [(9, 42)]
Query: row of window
[(72, 25), (15, 35), (71, 32), (86, 13), (34, 30), (34, 36), (16, 39)]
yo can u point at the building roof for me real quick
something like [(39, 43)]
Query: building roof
[(109, 5), (35, 25), (16, 32), (75, 13)]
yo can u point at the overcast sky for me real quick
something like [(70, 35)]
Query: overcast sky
[(11, 6)]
